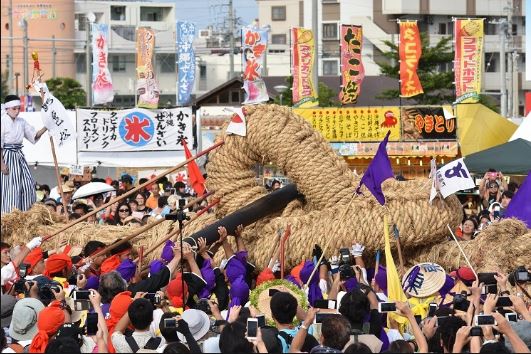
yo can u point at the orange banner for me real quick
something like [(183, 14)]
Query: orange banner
[(147, 87), (409, 52), (352, 71)]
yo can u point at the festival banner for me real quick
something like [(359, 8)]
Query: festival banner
[(304, 92), (454, 177), (354, 124), (352, 71), (409, 50), (427, 122), (56, 120), (102, 90), (134, 129), (185, 61), (468, 62), (425, 148), (254, 45), (147, 87)]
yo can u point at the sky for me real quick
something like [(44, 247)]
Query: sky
[(205, 12)]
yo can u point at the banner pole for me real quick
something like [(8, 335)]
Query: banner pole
[(462, 251)]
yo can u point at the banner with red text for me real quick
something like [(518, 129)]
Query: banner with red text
[(468, 61), (102, 90), (352, 71), (409, 51), (254, 46), (303, 55), (146, 86)]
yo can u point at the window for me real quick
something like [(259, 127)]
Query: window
[(330, 67), (81, 67), (278, 13), (119, 63), (202, 71), (442, 28), (278, 39), (166, 63), (118, 13), (126, 32), (80, 22), (514, 29), (153, 14), (450, 27), (235, 96), (330, 31)]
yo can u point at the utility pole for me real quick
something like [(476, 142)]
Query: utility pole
[(315, 29), (87, 64), (503, 88), (514, 74), (25, 53), (231, 39), (10, 60), (54, 55)]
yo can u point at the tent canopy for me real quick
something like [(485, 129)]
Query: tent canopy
[(511, 158), (524, 129), (479, 128)]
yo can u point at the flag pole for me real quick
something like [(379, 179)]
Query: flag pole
[(462, 251), (398, 244)]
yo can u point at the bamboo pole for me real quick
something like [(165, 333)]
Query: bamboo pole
[(132, 191)]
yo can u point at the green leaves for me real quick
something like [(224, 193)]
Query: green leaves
[(68, 91)]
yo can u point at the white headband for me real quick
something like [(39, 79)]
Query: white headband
[(13, 103)]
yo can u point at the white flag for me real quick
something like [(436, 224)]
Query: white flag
[(55, 118), (454, 177), (237, 124), (433, 177)]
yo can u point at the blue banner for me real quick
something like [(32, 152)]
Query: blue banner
[(185, 61)]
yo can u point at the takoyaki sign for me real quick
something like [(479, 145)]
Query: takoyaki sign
[(134, 129)]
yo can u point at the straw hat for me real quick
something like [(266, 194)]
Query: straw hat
[(260, 298), (424, 279), (68, 187)]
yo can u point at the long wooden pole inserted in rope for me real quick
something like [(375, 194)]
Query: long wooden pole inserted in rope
[(57, 175), (134, 190), (462, 251)]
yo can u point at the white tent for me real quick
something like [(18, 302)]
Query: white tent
[(524, 129)]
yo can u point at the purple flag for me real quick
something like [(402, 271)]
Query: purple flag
[(520, 207), (378, 171)]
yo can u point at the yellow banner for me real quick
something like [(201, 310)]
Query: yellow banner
[(354, 124), (303, 52), (468, 59)]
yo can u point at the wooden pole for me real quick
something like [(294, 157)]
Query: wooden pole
[(134, 190), (57, 175), (283, 240)]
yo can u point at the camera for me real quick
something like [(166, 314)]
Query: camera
[(204, 306), (460, 302), (344, 257), (153, 297), (520, 275), (23, 269), (170, 323), (346, 272)]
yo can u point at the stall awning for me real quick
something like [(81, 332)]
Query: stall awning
[(479, 128), (510, 158)]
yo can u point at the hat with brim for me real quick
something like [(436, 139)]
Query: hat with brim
[(24, 322), (68, 187), (424, 279), (198, 322)]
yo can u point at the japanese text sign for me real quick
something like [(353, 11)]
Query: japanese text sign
[(468, 62), (56, 120), (102, 90), (254, 45), (454, 177), (303, 55), (147, 87), (134, 129), (352, 71), (354, 124), (427, 123), (409, 51), (185, 61)]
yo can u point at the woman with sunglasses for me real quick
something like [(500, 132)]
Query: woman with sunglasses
[(18, 185), (123, 214)]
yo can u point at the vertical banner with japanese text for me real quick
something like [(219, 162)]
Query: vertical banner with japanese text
[(303, 55), (185, 61), (409, 51), (254, 46), (102, 90), (468, 62), (56, 120), (134, 129), (147, 87), (352, 71)]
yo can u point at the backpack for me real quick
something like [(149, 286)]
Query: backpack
[(153, 343), (309, 341)]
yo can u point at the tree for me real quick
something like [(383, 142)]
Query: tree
[(4, 88), (327, 97), (437, 84), (68, 91)]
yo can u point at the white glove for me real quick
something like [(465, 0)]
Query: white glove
[(35, 242), (83, 268), (357, 250), (323, 285), (276, 267)]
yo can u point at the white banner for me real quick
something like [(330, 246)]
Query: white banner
[(454, 177), (133, 130), (55, 118), (102, 90)]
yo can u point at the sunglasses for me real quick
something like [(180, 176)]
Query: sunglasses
[(123, 210)]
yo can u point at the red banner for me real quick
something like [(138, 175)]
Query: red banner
[(352, 71), (409, 52)]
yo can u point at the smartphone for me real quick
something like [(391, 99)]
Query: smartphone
[(153, 297), (504, 301), (325, 304), (320, 317), (487, 278), (252, 328), (489, 289), (92, 324), (273, 291), (418, 318), (386, 307), (511, 317), (81, 295), (476, 332), (170, 323), (484, 320), (433, 308), (23, 269), (261, 320)]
